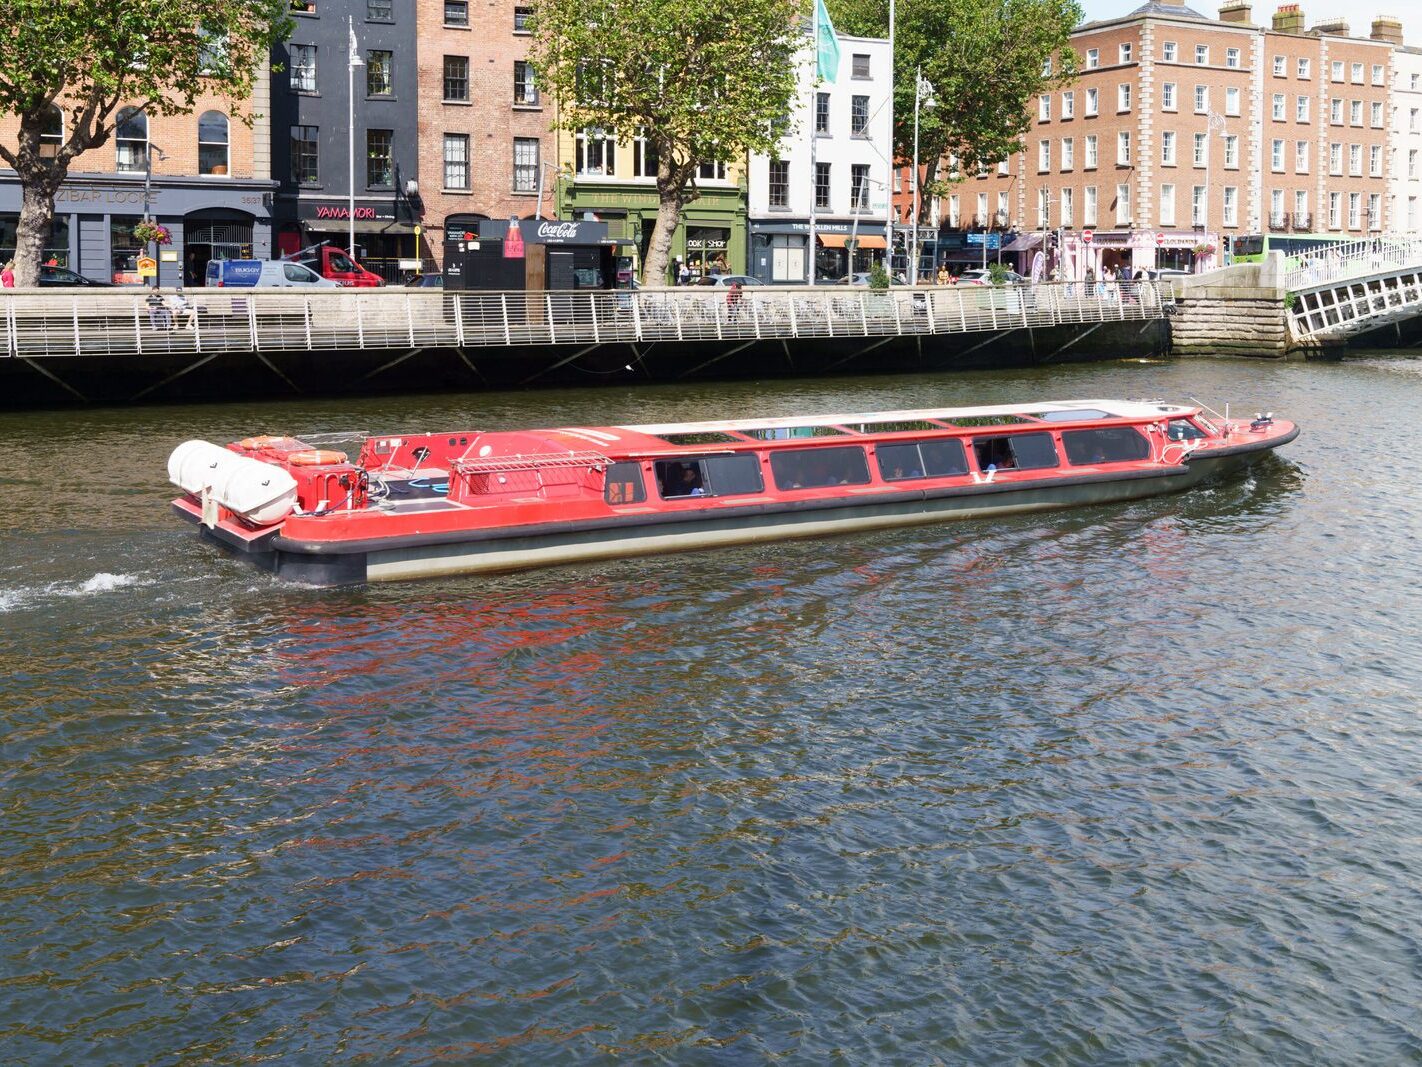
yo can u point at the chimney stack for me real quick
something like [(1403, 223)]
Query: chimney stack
[(1388, 28), (1235, 11), (1331, 28), (1289, 19)]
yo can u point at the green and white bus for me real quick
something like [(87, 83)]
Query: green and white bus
[(1252, 248)]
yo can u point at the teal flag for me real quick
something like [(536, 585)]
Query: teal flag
[(827, 45)]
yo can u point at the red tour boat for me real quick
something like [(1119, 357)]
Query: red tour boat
[(419, 505)]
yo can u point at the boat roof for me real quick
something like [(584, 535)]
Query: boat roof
[(1125, 409)]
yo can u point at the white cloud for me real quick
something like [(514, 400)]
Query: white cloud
[(1359, 23)]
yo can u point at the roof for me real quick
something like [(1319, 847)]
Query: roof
[(1160, 7)]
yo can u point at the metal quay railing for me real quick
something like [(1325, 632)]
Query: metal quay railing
[(59, 323), (1353, 259)]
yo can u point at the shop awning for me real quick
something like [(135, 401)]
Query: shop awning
[(870, 240), (361, 226), (832, 240), (1025, 243)]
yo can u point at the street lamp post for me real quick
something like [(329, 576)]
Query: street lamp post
[(922, 93), (352, 61), (858, 207), (544, 168), (1214, 124), (148, 196)]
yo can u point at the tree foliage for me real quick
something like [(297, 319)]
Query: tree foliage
[(986, 60), (702, 80), (87, 57)]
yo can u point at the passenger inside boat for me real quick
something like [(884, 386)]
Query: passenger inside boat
[(681, 479), (994, 452)]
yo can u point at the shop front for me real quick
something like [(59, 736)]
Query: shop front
[(94, 220), (779, 248), (710, 239), (387, 237)]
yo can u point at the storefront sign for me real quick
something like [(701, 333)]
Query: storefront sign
[(706, 239), (81, 194), (513, 241), (554, 232), (147, 267), (317, 212)]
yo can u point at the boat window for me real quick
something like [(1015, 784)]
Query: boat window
[(1022, 451), (986, 420), (1184, 430), (921, 459), (708, 437), (811, 468), (790, 433), (1077, 415), (624, 484), (709, 476), (905, 426), (1116, 445)]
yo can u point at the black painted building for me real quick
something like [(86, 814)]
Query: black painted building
[(313, 136)]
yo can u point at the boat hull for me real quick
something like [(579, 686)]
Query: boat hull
[(468, 552)]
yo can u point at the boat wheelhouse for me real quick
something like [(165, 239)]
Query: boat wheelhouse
[(421, 505)]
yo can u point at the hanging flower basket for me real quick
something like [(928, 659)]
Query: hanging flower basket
[(147, 232), (1201, 251)]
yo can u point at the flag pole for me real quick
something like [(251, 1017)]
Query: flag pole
[(814, 118), (889, 185)]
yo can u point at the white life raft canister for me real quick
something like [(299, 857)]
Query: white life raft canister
[(262, 493)]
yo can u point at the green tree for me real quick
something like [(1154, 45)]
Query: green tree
[(702, 80), (86, 57), (986, 60)]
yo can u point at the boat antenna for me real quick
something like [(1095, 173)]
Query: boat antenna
[(1206, 407)]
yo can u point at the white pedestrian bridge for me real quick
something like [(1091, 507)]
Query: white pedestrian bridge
[(1354, 288)]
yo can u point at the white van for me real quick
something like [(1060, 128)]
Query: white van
[(251, 273)]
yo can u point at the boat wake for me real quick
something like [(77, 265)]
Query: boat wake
[(31, 596)]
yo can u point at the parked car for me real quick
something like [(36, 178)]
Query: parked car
[(65, 276), (727, 279), (983, 276), (249, 273), (426, 281), (861, 278)]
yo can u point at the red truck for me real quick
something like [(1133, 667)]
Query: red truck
[(331, 262)]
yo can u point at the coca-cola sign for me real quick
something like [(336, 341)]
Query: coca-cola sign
[(558, 231), (544, 232)]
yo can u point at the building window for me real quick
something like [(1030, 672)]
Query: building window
[(379, 72), (1044, 208), (1088, 206), (822, 186), (1357, 74), (1169, 52), (1123, 148), (379, 165), (596, 152), (1167, 96), (1276, 209), (714, 171), (1068, 105), (1378, 74), (822, 113), (1202, 55), (1231, 101), (1335, 159), (1276, 155), (1167, 148), (1355, 113), (1232, 57), (456, 161), (1091, 100), (1124, 52), (1304, 69), (1231, 206), (1301, 217), (1375, 161), (131, 141), (1279, 66), (1377, 115), (522, 16), (1335, 112), (1301, 157), (212, 143), (1123, 205), (526, 169), (1202, 99), (1167, 205), (304, 170), (1068, 154), (379, 10), (1044, 156), (859, 186), (1123, 97), (1278, 107), (955, 214), (859, 67), (1231, 157), (525, 91), (779, 183), (1412, 163), (1301, 109), (1066, 210), (1198, 205), (456, 78), (1093, 58), (1375, 211), (644, 156), (52, 135), (1202, 149), (858, 115), (456, 12), (1044, 108), (1335, 211), (1355, 160), (1355, 208), (302, 58), (1090, 160), (1337, 70)]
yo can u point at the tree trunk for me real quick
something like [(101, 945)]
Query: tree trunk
[(671, 198), (36, 220)]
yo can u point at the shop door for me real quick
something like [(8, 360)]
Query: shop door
[(206, 241)]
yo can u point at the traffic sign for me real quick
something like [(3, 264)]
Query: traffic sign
[(987, 240), (1086, 236), (1159, 239)]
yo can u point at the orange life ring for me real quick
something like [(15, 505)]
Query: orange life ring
[(316, 457), (255, 444)]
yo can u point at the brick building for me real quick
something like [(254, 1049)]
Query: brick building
[(209, 184), (1184, 132)]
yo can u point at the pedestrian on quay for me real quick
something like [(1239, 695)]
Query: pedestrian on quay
[(1090, 282), (943, 276), (733, 302), (7, 275), (683, 272)]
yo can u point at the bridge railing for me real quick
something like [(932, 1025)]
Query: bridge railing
[(73, 322), (1354, 259)]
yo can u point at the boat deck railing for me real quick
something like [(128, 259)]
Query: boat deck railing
[(76, 322)]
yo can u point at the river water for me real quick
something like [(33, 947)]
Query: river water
[(1132, 783)]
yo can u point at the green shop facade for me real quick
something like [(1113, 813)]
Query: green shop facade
[(711, 237)]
